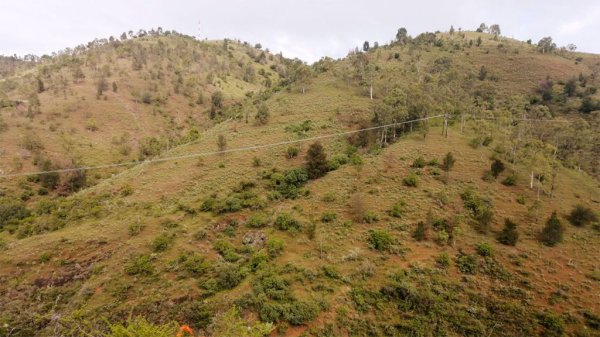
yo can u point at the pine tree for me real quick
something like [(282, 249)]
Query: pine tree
[(509, 234), (316, 161), (553, 231)]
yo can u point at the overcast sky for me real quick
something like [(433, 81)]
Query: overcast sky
[(307, 29)]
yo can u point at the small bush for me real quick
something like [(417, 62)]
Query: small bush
[(581, 216), (397, 209), (227, 250), (419, 162), (298, 312), (275, 247), (140, 265), (140, 327), (337, 161), (328, 216), (553, 232), (332, 272), (257, 221), (135, 229), (411, 180), (521, 199), (370, 217), (443, 260), (466, 264), (510, 180), (380, 240), (292, 152), (285, 221), (509, 234), (484, 249), (230, 275), (316, 161), (162, 243), (420, 232)]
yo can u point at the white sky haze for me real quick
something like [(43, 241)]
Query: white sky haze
[(307, 29)]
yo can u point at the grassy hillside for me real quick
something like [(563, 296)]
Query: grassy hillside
[(385, 237)]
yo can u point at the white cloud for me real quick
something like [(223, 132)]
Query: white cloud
[(306, 29)]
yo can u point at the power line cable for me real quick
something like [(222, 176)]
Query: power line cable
[(205, 154)]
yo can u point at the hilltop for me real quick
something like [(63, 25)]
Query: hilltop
[(391, 231)]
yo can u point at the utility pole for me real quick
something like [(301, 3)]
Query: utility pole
[(445, 129)]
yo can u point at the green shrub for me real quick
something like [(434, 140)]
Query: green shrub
[(509, 234), (397, 209), (419, 162), (553, 232), (257, 220), (581, 216), (466, 263), (227, 250), (162, 243), (140, 265), (298, 312), (553, 325), (510, 180), (411, 180), (370, 217), (328, 216), (135, 228), (448, 162), (380, 240), (521, 199), (194, 264), (443, 260), (337, 161), (292, 152), (139, 327), (275, 247), (329, 197), (11, 212), (480, 209), (484, 249), (331, 272), (285, 221), (420, 232), (497, 167), (230, 275)]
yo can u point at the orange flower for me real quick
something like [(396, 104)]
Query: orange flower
[(185, 329)]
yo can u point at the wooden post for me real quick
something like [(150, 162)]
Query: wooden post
[(445, 130)]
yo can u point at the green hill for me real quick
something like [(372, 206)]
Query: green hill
[(226, 200)]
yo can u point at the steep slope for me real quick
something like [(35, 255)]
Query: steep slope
[(103, 103), (338, 255)]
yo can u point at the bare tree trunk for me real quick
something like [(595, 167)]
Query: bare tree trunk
[(371, 91), (302, 90), (531, 181)]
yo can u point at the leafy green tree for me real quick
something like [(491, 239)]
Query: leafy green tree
[(509, 234), (545, 45), (402, 36), (366, 46), (553, 232), (482, 28), (316, 161), (448, 162), (262, 114), (495, 29)]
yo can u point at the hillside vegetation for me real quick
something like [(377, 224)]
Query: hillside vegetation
[(262, 196)]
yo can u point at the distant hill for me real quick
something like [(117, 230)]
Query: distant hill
[(307, 200)]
